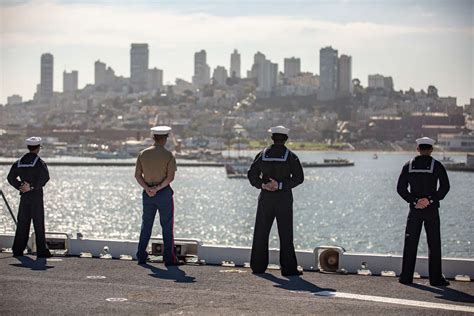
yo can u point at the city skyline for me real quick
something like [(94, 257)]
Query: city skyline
[(371, 44)]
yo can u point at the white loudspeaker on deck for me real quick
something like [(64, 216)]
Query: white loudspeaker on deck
[(327, 258)]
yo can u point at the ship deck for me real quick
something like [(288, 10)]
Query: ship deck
[(73, 285)]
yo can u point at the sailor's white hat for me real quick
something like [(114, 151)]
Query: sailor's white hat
[(425, 141), (160, 130), (33, 141), (280, 129)]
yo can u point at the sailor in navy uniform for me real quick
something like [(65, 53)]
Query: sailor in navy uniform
[(422, 175), (275, 171), (29, 175)]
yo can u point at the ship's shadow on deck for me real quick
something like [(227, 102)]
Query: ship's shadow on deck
[(171, 273), (26, 262), (446, 293), (293, 283)]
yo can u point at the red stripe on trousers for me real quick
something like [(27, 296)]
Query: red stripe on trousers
[(173, 256)]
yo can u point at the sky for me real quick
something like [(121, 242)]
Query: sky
[(418, 43)]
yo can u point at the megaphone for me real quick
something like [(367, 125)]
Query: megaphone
[(327, 258)]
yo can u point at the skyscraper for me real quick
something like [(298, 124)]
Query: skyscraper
[(110, 76), (70, 81), (266, 74), (99, 73), (139, 66), (235, 64), (345, 75), (292, 67), (202, 71), (328, 64), (388, 84), (47, 71), (258, 60), (155, 79), (219, 76)]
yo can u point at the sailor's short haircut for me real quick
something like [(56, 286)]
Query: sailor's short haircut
[(33, 148), (424, 147), (279, 138)]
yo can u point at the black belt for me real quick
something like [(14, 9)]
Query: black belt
[(152, 184)]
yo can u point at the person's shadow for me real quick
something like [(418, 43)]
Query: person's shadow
[(446, 293), (172, 273), (293, 283), (26, 262)]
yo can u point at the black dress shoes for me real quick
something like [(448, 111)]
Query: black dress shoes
[(442, 282)]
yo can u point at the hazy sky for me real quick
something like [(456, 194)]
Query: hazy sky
[(418, 43)]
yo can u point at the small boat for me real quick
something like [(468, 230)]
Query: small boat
[(111, 155), (447, 159), (467, 166), (237, 168), (339, 162)]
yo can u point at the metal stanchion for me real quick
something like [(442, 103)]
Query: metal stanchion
[(8, 207)]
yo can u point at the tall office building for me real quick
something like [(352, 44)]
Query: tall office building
[(235, 64), (99, 73), (155, 79), (219, 77), (139, 66), (258, 59), (202, 71), (109, 76), (292, 67), (266, 74), (47, 71), (345, 75), (388, 84), (70, 81), (328, 64)]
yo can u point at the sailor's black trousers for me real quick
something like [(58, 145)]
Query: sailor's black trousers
[(31, 208), (429, 217), (271, 205)]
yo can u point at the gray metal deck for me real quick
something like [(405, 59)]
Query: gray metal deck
[(44, 286)]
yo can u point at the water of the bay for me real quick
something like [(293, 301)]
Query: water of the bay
[(354, 207)]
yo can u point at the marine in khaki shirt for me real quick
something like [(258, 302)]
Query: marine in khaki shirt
[(154, 164), (154, 172)]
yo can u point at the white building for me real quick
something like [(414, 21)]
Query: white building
[(267, 77), (456, 142), (70, 81), (304, 84), (266, 74), (219, 76), (235, 64)]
